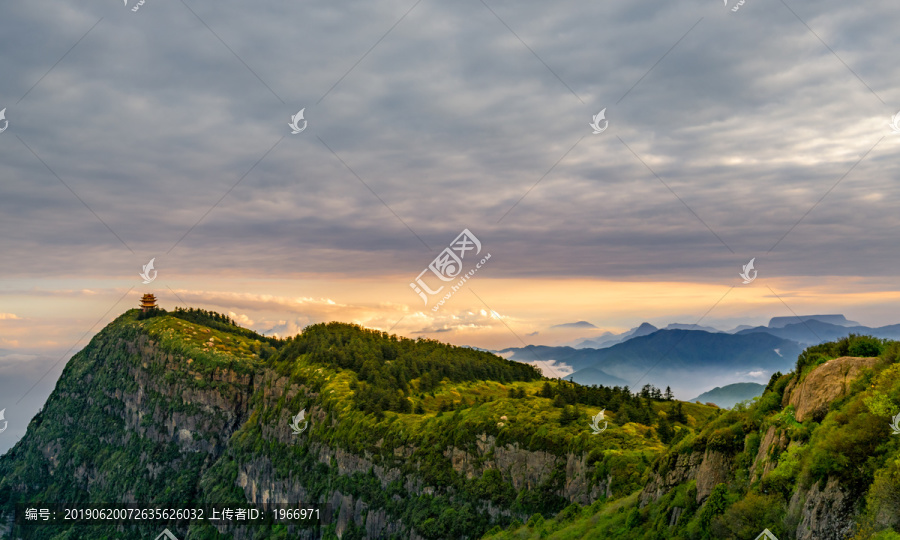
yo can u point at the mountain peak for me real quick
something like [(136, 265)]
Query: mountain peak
[(683, 326), (644, 329), (579, 324), (727, 396), (839, 320)]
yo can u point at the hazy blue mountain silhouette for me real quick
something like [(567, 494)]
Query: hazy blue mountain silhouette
[(590, 376), (579, 324), (840, 320), (608, 339), (811, 332), (682, 326), (689, 360), (729, 395)]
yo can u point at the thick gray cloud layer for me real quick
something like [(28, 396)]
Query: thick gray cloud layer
[(450, 119), (163, 133)]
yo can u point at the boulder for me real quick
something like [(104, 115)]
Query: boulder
[(825, 384)]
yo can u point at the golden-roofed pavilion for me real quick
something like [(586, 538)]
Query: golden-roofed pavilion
[(148, 302)]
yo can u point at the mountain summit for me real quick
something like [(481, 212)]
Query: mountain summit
[(390, 437), (839, 320)]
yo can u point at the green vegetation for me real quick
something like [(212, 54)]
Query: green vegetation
[(388, 369), (852, 345), (186, 407), (849, 453), (108, 432)]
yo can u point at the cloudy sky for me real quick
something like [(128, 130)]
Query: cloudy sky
[(162, 133)]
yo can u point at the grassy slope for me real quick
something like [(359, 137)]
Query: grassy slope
[(853, 444), (81, 424), (623, 452)]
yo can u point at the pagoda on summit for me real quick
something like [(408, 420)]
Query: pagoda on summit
[(148, 302)]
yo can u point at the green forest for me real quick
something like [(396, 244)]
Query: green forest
[(448, 442)]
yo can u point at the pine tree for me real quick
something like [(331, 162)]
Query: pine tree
[(558, 401), (404, 405), (547, 391), (668, 395), (664, 430), (678, 414), (649, 413), (568, 415), (623, 416)]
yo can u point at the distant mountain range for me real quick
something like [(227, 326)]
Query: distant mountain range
[(728, 396), (690, 357), (579, 324), (840, 320), (786, 327), (609, 339), (813, 331), (686, 360)]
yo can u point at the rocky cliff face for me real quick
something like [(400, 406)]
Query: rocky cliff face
[(825, 510), (823, 385), (179, 424), (680, 468), (212, 413), (775, 440), (708, 468), (523, 468), (528, 469)]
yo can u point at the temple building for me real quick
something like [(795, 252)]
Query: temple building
[(148, 302)]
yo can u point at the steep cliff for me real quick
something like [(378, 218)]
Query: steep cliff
[(169, 411), (829, 381), (814, 458), (800, 461)]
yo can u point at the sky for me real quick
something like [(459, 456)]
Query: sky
[(160, 130)]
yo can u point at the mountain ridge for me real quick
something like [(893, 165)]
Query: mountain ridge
[(731, 394), (420, 439), (406, 438), (757, 467), (687, 360)]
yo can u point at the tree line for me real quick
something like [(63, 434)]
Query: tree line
[(386, 364), (225, 323), (628, 406)]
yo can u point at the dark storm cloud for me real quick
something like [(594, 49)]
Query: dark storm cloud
[(450, 119)]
